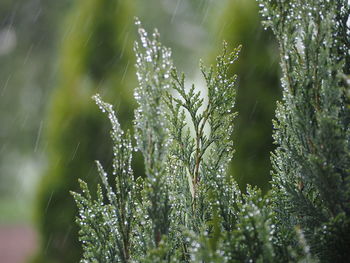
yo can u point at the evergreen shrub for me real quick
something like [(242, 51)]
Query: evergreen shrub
[(187, 208)]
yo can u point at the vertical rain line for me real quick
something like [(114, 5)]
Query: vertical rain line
[(175, 11), (38, 136)]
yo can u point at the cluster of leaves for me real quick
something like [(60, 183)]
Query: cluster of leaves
[(187, 208), (311, 180)]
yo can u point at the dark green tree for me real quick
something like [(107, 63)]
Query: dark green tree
[(311, 181), (95, 56)]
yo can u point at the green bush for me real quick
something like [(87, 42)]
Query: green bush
[(311, 164), (186, 208)]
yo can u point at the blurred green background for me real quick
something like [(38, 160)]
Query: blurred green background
[(55, 54)]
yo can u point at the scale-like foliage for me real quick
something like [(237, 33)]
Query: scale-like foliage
[(117, 214), (185, 184), (186, 208), (311, 163)]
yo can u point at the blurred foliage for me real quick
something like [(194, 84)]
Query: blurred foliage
[(95, 56), (28, 42), (258, 90)]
